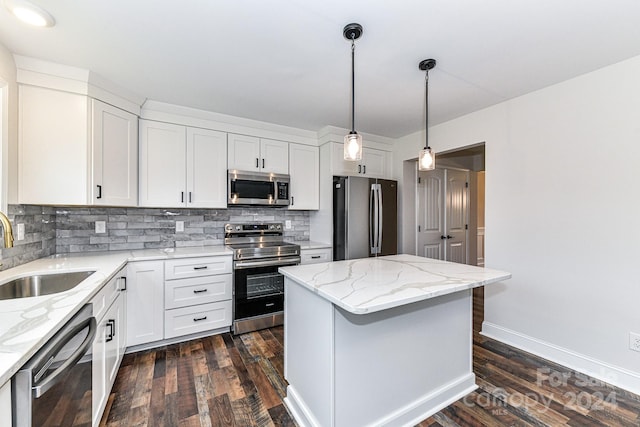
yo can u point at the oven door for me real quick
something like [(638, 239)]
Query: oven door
[(258, 287)]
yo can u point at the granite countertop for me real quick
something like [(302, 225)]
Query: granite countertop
[(27, 323), (367, 285)]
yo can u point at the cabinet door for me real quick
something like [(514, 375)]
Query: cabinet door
[(107, 354), (5, 405), (206, 168), (244, 153), (53, 147), (374, 163), (115, 156), (304, 168), (275, 156), (162, 164), (145, 302)]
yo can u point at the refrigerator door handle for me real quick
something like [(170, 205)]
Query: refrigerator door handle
[(379, 189), (372, 219), (376, 220)]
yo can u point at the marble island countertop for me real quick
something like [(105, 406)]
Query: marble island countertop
[(368, 285), (27, 323)]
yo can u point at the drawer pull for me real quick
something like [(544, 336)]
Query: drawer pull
[(204, 267), (315, 257), (197, 319), (199, 291), (271, 304)]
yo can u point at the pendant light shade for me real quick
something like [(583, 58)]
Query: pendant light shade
[(353, 141), (426, 159)]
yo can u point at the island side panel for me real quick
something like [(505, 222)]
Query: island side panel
[(399, 366), (308, 355)]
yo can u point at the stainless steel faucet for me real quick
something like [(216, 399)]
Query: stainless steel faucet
[(8, 230)]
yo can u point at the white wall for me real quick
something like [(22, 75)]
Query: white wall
[(562, 179), (9, 128)]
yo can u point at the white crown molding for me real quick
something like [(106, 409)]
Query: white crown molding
[(37, 72), (163, 112)]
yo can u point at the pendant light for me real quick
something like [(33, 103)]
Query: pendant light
[(426, 159), (353, 141)]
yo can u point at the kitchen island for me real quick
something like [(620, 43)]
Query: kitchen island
[(378, 341)]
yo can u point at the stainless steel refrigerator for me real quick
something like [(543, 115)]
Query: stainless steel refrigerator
[(365, 217)]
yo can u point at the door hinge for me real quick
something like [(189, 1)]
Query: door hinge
[(466, 226), (419, 229), (466, 185), (419, 180)]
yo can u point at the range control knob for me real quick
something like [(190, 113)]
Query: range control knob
[(278, 226), (238, 227), (272, 227)]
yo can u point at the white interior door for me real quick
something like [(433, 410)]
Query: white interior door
[(431, 219), (456, 215), (443, 214)]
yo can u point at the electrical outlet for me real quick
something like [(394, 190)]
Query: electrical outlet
[(634, 341), (287, 224), (101, 227), (179, 226), (20, 229)]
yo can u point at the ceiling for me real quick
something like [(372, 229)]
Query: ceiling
[(286, 61)]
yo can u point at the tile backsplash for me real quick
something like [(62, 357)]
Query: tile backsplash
[(50, 230)]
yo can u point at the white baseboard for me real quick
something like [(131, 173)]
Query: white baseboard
[(407, 416), (614, 375)]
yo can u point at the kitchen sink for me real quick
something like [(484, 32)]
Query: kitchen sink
[(42, 284)]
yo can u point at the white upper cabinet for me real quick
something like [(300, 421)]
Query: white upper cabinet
[(206, 168), (374, 163), (115, 156), (304, 167), (182, 166), (248, 153), (69, 144)]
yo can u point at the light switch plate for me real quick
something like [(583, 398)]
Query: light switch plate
[(101, 227), (179, 226), (287, 224), (20, 230)]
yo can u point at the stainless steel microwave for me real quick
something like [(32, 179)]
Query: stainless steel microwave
[(256, 188)]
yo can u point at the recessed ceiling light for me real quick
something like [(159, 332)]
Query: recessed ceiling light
[(29, 13)]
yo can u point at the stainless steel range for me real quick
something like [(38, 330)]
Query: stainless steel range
[(258, 289)]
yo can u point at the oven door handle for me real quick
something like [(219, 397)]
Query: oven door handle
[(41, 386), (241, 265)]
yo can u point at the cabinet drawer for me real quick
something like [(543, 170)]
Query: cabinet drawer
[(197, 290), (198, 318), (196, 267), (108, 294), (313, 256)]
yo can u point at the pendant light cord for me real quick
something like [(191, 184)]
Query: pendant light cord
[(426, 110), (353, 85)]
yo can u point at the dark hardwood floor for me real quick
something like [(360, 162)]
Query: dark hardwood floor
[(227, 380)]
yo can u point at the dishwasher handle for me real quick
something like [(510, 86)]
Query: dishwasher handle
[(41, 385)]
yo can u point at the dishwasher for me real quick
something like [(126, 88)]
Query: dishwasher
[(54, 387)]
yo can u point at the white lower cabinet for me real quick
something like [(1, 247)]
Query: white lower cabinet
[(5, 405), (197, 295), (145, 302), (314, 256), (109, 343)]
